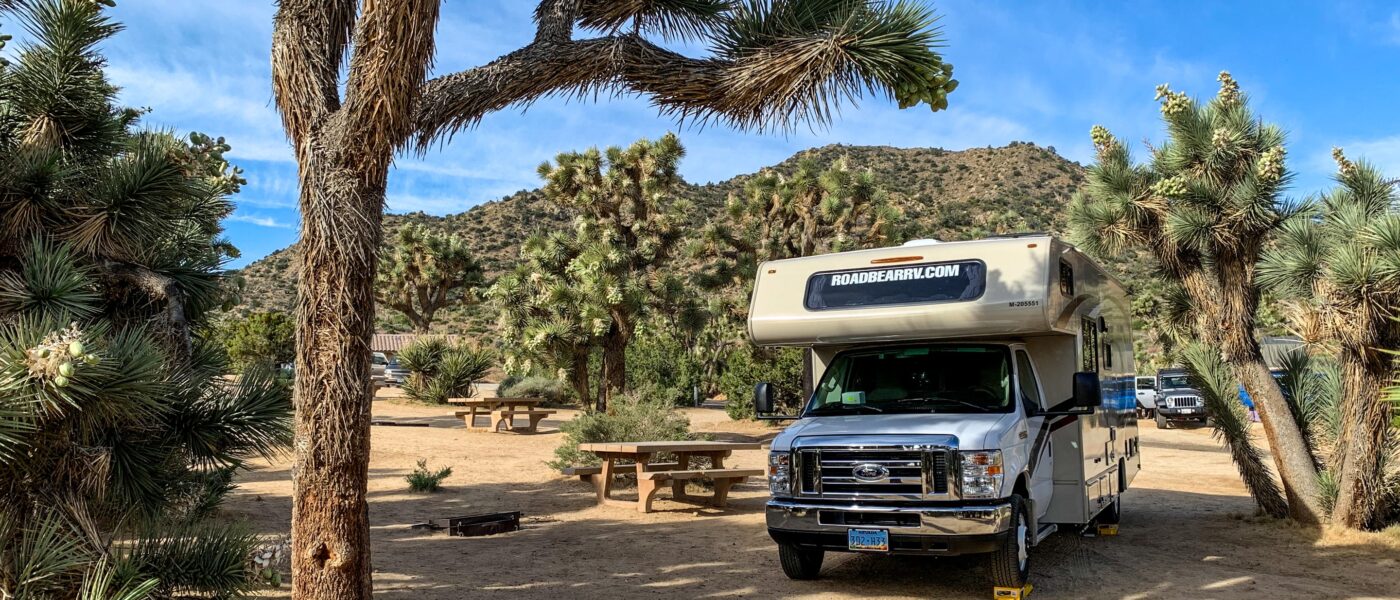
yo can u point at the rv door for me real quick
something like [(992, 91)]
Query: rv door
[(1040, 466)]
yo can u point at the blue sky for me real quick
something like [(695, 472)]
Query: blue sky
[(1042, 72)]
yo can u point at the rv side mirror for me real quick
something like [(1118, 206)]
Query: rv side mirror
[(1086, 390), (763, 398)]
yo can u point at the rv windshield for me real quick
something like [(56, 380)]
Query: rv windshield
[(916, 379)]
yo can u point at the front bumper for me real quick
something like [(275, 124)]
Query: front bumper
[(941, 530), (1181, 413)]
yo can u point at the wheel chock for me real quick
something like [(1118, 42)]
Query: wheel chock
[(1107, 530), (1011, 593)]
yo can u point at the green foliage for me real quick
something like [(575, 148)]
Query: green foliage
[(586, 289), (425, 481), (636, 416), (748, 365), (422, 271), (263, 340), (118, 436), (439, 370), (534, 386), (660, 359)]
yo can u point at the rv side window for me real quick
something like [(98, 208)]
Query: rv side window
[(1025, 377), (1089, 345), (1066, 279)]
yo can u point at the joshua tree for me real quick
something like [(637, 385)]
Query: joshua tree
[(114, 421), (1338, 263), (1204, 207), (775, 64), (626, 228), (544, 320), (812, 211), (423, 271)]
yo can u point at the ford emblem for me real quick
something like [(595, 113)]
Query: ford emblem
[(870, 472)]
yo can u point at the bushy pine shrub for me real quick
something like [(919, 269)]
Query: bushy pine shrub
[(748, 365), (632, 417), (534, 386)]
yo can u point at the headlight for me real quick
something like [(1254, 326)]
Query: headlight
[(780, 473), (981, 474)]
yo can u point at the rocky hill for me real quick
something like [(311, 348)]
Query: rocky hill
[(948, 195)]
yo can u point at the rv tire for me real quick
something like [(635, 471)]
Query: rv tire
[(1111, 514), (800, 562), (1010, 564)]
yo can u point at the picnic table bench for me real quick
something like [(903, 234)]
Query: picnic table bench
[(652, 476), (501, 413)]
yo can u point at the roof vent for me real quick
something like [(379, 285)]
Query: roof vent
[(923, 242)]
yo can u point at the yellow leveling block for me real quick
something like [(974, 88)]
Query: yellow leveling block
[(1107, 530), (1006, 593)]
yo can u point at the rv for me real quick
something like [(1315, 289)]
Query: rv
[(967, 397)]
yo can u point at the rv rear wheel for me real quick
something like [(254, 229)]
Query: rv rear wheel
[(799, 562), (1112, 514), (1010, 564)]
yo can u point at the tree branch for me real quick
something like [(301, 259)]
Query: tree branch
[(308, 45), (392, 54)]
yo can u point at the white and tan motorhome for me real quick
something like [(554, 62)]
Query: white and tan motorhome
[(967, 397)]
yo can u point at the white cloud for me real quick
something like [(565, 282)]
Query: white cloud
[(261, 221)]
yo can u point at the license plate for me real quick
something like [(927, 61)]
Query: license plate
[(1188, 411), (868, 540)]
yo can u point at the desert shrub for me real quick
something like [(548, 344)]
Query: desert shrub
[(632, 417), (748, 365), (534, 386), (439, 370), (423, 480), (657, 358)]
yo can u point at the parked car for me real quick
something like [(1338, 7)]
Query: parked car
[(378, 362), (1177, 400), (1146, 395), (394, 373)]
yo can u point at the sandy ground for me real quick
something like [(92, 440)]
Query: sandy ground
[(1185, 533)]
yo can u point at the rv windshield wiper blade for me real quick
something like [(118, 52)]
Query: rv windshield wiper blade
[(824, 408), (934, 399)]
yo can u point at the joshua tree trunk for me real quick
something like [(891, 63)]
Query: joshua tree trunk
[(1365, 419), (330, 530), (614, 377), (578, 376), (1241, 351)]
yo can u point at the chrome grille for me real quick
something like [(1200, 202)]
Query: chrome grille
[(847, 473), (1185, 401)]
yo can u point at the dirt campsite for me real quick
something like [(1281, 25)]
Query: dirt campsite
[(1187, 531)]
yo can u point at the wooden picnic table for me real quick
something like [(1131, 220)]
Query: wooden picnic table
[(651, 475), (501, 412)]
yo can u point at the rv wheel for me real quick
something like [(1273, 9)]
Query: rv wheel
[(1010, 565), (798, 562), (1112, 514)]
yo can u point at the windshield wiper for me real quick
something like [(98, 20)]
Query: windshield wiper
[(819, 410), (979, 407)]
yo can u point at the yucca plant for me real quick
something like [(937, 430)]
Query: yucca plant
[(118, 436), (422, 271), (1337, 263), (1204, 207), (439, 370)]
